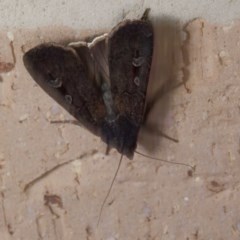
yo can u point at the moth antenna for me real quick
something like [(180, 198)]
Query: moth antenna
[(110, 188), (166, 161)]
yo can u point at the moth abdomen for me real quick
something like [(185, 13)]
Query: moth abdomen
[(121, 134)]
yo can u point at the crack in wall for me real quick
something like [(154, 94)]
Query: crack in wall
[(53, 169)]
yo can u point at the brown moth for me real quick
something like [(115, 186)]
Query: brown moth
[(102, 84)]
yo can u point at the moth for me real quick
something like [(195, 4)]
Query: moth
[(103, 83)]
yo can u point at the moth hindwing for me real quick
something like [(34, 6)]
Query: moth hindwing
[(102, 84)]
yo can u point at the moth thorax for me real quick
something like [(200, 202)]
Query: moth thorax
[(108, 101)]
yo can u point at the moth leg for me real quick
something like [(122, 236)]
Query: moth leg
[(74, 122), (151, 129), (149, 107), (145, 14), (150, 104), (107, 150), (158, 95)]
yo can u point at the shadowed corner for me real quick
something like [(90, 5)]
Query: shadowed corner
[(164, 78)]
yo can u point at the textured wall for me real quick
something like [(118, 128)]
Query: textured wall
[(54, 177)]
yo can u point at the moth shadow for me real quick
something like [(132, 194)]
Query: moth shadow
[(164, 78)]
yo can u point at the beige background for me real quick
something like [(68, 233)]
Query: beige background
[(54, 177)]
